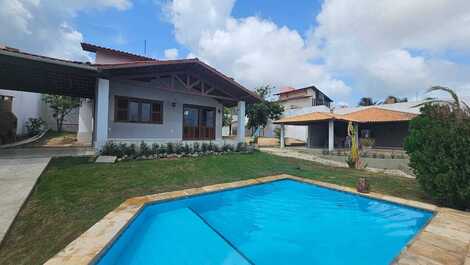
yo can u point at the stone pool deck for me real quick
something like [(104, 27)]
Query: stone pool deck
[(444, 241)]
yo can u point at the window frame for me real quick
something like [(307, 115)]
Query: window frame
[(139, 101), (200, 108)]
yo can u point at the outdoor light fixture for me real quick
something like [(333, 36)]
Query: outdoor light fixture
[(173, 104)]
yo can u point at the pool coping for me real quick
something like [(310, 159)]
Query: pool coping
[(444, 240)]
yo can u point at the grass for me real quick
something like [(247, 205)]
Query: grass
[(74, 193)]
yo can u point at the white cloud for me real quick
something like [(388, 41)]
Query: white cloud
[(383, 47), (171, 54), (45, 26), (395, 47), (253, 50)]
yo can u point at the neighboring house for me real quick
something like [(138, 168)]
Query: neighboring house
[(295, 102), (387, 124), (299, 101), (132, 98), (310, 96)]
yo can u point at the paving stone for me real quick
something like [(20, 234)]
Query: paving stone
[(106, 159), (424, 249)]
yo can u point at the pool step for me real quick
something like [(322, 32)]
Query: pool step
[(221, 236), (177, 237)]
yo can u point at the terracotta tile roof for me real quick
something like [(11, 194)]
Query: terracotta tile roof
[(310, 117), (285, 89), (376, 114), (368, 115), (144, 63), (194, 61), (94, 48)]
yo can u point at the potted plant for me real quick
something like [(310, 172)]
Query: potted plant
[(363, 185), (367, 143)]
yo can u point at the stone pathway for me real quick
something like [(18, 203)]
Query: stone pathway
[(17, 179), (288, 152)]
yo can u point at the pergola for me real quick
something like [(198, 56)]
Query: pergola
[(368, 115)]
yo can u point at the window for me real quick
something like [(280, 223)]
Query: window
[(198, 123), (138, 110)]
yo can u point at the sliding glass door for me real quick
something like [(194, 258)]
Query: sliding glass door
[(198, 123)]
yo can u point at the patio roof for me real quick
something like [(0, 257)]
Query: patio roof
[(23, 71), (153, 68), (375, 114), (41, 74), (368, 115)]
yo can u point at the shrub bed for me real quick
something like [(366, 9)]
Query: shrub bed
[(125, 151)]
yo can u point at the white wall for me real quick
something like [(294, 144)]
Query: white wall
[(172, 128), (70, 122), (25, 105)]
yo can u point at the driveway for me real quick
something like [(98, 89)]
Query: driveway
[(19, 171)]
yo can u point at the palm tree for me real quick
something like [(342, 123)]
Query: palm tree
[(455, 103), (366, 101)]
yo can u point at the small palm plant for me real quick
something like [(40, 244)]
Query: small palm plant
[(354, 159)]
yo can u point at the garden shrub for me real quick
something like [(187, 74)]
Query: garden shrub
[(196, 147), (35, 126), (163, 149), (110, 149), (155, 149), (170, 148), (439, 149), (179, 148), (144, 149), (204, 147)]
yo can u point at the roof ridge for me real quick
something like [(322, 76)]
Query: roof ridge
[(93, 48)]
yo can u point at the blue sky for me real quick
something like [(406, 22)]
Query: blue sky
[(348, 49), (146, 21)]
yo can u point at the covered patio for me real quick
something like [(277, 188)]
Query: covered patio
[(388, 128), (186, 79)]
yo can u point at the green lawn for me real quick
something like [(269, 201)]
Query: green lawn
[(75, 193)]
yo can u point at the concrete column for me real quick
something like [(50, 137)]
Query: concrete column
[(102, 109), (331, 135), (309, 137), (283, 133), (241, 122), (85, 121)]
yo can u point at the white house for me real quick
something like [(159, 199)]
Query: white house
[(131, 98)]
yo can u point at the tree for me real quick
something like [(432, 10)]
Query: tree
[(393, 100), (439, 148), (366, 101), (228, 119), (260, 113), (61, 107)]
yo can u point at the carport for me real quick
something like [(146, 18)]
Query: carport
[(40, 74)]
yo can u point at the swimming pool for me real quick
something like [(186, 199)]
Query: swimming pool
[(281, 222)]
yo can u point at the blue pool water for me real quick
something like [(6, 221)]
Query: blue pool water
[(282, 222)]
